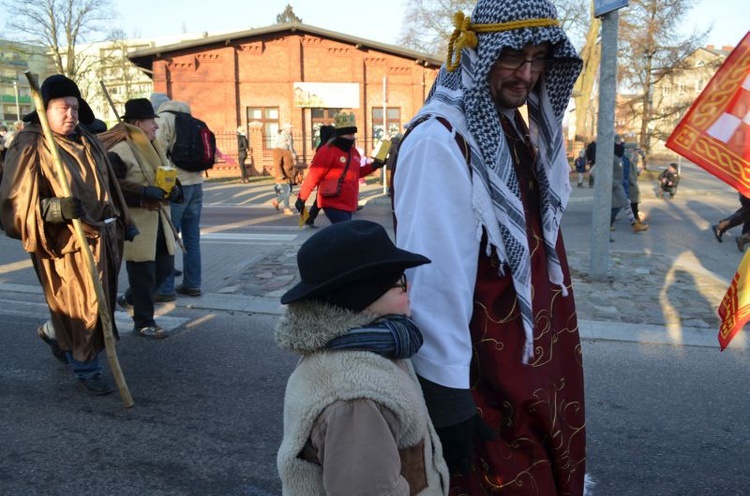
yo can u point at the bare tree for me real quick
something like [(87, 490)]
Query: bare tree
[(287, 16), (575, 19), (60, 25), (428, 24), (652, 49), (112, 66)]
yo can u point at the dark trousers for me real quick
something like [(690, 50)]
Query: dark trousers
[(634, 208), (741, 216), (243, 169), (144, 278), (672, 190), (335, 215)]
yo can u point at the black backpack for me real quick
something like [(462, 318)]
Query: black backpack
[(194, 146)]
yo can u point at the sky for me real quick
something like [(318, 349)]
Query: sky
[(377, 20)]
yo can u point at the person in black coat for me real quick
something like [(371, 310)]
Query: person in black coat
[(242, 147)]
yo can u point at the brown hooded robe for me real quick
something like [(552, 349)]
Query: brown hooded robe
[(58, 260)]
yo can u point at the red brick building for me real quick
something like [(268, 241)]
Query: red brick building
[(291, 73)]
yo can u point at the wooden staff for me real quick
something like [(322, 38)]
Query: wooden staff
[(137, 159), (101, 303)]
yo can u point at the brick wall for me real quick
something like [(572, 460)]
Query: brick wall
[(221, 80)]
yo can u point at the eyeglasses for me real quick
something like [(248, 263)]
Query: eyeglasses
[(515, 62), (401, 283)]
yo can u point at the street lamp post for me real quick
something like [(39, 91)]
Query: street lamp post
[(18, 107), (385, 128)]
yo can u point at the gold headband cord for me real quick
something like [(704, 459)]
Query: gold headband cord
[(465, 33)]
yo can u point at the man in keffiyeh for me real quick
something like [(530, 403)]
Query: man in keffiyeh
[(481, 194)]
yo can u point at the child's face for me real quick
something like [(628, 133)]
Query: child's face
[(393, 301)]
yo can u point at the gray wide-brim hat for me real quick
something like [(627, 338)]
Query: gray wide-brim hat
[(350, 264)]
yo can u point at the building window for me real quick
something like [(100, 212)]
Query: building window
[(269, 119), (320, 117), (392, 123)]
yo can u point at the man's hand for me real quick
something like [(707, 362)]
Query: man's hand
[(377, 164), (299, 204), (153, 193), (176, 195), (71, 208)]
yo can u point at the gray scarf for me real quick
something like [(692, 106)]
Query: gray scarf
[(392, 336)]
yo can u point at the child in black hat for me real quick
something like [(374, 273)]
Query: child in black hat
[(354, 414)]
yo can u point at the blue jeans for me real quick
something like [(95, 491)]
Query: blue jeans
[(84, 370), (282, 191), (186, 217)]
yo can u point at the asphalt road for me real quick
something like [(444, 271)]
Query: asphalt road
[(662, 420)]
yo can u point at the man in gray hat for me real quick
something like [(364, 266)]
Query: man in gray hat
[(481, 193), (34, 210)]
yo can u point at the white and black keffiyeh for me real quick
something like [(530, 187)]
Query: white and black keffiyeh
[(463, 97)]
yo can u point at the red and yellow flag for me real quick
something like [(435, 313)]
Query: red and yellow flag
[(734, 310), (715, 132)]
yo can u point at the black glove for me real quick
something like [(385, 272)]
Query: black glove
[(71, 208), (152, 193), (456, 422), (377, 164), (458, 442), (299, 204), (131, 232), (176, 195)]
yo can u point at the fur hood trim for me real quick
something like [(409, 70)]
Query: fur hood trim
[(307, 326)]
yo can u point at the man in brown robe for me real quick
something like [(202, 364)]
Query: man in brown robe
[(34, 210)]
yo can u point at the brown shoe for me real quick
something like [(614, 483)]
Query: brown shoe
[(152, 332), (718, 233), (275, 203), (57, 352), (639, 227), (743, 241)]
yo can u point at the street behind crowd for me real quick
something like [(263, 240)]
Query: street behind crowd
[(665, 409)]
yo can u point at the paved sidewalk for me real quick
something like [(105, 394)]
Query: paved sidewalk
[(648, 297)]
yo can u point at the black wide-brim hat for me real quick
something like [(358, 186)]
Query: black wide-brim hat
[(59, 86), (350, 264), (139, 109)]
